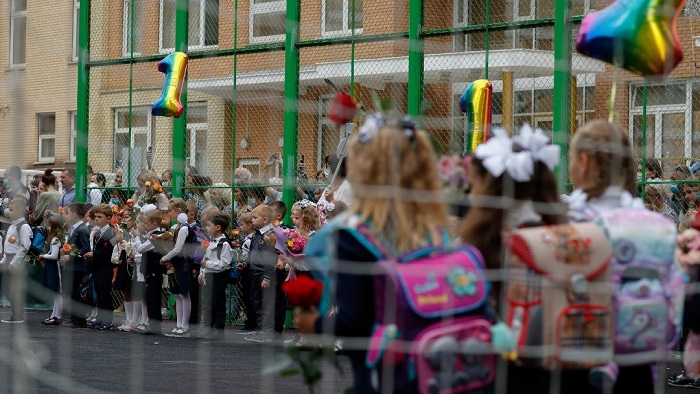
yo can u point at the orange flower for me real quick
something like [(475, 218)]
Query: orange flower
[(61, 210), (276, 223), (235, 233), (148, 183), (130, 203), (12, 239), (205, 244), (158, 188), (67, 248), (115, 209)]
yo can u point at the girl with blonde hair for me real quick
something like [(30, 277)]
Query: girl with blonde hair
[(393, 170)]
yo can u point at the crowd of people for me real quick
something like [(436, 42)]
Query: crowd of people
[(385, 201)]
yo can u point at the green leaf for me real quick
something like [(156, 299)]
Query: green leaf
[(289, 372), (278, 364)]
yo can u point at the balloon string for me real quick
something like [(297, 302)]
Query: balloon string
[(613, 115)]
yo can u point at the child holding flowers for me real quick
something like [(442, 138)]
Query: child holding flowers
[(52, 280), (124, 258), (151, 192)]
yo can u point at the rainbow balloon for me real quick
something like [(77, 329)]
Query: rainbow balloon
[(476, 103), (638, 35), (174, 67)]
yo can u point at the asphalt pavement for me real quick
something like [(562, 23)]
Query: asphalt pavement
[(49, 359)]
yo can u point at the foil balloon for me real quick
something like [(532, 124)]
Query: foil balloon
[(638, 35), (174, 67), (476, 103)]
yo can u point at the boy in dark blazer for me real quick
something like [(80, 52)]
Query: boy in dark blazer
[(102, 267), (76, 267)]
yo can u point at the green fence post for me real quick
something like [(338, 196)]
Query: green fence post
[(81, 131), (562, 86), (291, 104), (416, 59), (180, 124)]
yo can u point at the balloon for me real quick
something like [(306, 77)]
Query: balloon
[(476, 103), (174, 67), (638, 35)]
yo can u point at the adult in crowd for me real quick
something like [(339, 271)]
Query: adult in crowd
[(116, 195), (97, 180), (47, 203), (220, 196), (242, 175), (146, 194), (68, 182)]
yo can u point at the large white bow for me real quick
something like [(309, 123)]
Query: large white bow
[(537, 143), (498, 157)]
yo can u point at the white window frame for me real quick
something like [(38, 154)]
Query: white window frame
[(264, 8), (148, 130), (14, 16), (126, 30), (44, 137), (518, 4), (457, 23), (345, 31), (76, 29), (202, 30), (193, 129), (73, 134)]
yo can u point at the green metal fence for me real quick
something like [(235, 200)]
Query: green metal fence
[(262, 73)]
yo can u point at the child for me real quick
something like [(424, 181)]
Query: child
[(334, 209), (305, 218), (152, 269), (52, 281), (90, 223), (279, 210), (102, 267), (262, 260), (247, 231), (214, 276), (196, 228), (18, 241), (177, 209), (76, 267), (123, 257)]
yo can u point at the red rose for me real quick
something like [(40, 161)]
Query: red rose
[(303, 291), (695, 222), (343, 109)]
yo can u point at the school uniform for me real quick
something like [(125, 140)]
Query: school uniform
[(75, 271), (13, 259), (262, 260), (215, 272), (153, 272), (52, 278), (102, 269)]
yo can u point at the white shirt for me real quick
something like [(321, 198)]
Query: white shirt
[(22, 241), (144, 246), (214, 263), (179, 242), (54, 246)]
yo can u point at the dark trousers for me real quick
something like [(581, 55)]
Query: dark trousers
[(247, 299), (103, 287), (76, 309), (18, 284), (154, 289), (196, 298), (214, 298), (269, 303)]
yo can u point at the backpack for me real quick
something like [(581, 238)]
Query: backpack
[(558, 303), (647, 284), (88, 293), (37, 241), (431, 320)]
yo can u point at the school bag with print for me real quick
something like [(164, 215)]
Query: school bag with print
[(557, 295), (431, 318), (647, 284)]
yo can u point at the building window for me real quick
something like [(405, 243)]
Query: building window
[(47, 136), (132, 147), (268, 20), (137, 14), (76, 29), (337, 17), (328, 134), (196, 142), (203, 24), (18, 32), (73, 134)]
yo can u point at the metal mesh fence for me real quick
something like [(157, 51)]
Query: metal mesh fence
[(250, 136)]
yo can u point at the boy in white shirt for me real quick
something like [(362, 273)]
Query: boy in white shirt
[(17, 243), (214, 276)]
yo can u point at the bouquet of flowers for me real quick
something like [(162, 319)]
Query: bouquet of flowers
[(295, 243), (303, 292), (688, 248), (164, 242), (453, 172), (151, 192)]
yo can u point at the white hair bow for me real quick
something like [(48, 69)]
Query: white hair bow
[(498, 157), (182, 218), (537, 143), (148, 207)]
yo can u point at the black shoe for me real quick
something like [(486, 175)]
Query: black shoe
[(684, 381)]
